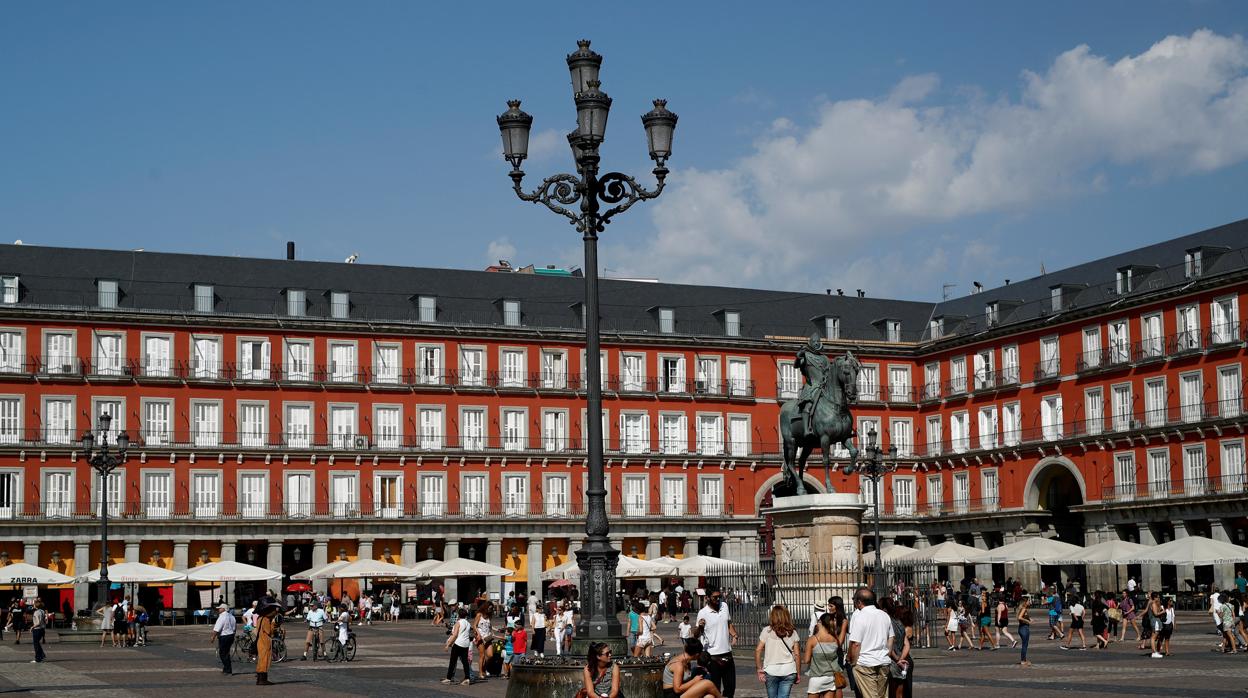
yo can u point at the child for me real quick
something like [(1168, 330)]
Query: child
[(686, 630), (509, 646), (519, 640)]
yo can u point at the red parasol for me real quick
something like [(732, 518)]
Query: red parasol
[(560, 583), (298, 587)]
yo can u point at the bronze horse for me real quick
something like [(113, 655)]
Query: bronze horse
[(832, 423)]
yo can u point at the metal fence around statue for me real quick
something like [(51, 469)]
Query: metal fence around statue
[(751, 591)]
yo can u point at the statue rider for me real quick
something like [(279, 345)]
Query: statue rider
[(815, 368)]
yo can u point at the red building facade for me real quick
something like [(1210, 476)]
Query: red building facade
[(287, 413)]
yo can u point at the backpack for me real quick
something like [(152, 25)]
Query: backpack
[(119, 615)]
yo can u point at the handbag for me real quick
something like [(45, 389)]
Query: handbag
[(838, 678)]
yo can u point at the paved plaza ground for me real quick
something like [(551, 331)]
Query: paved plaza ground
[(406, 659)]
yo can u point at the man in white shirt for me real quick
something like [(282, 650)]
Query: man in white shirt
[(870, 643), (717, 635), (662, 605), (457, 644), (1131, 585), (223, 634)]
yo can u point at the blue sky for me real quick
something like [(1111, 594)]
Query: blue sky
[(908, 144)]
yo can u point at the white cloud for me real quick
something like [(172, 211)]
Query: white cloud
[(500, 248), (869, 169), (545, 144)]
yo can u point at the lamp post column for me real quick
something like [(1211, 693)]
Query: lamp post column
[(103, 587)]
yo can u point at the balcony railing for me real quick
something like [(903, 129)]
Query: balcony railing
[(164, 509), (1179, 415), (1232, 484), (952, 507), (1047, 370)]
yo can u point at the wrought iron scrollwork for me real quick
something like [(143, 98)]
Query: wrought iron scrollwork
[(615, 187), (557, 189)]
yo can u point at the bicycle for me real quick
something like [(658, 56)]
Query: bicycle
[(244, 644), (336, 651), (278, 648)]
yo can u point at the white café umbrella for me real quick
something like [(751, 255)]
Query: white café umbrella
[(23, 574), (134, 573), (367, 569), (947, 553), (230, 571), (1103, 553), (892, 553), (1193, 550), (701, 565), (420, 570), (626, 568), (309, 574), (1043, 551), (463, 567)]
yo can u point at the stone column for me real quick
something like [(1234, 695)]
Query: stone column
[(229, 550), (82, 565), (692, 547), (365, 549), (320, 558), (132, 551), (409, 553), (1183, 572), (181, 558), (274, 561), (533, 568), (1150, 575), (652, 548), (1223, 575), (1096, 574), (984, 572), (494, 556), (30, 553)]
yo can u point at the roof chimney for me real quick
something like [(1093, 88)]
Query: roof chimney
[(290, 249), (1007, 282), (862, 293), (978, 286)]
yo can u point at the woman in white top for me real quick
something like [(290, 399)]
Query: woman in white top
[(559, 628), (483, 624), (775, 656), (645, 634), (538, 620)]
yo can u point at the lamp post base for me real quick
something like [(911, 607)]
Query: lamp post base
[(599, 623)]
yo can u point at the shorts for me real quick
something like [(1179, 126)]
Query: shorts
[(647, 642), (506, 657), (952, 627), (1157, 625), (985, 622), (670, 693), (1076, 623), (1003, 624), (1167, 631)]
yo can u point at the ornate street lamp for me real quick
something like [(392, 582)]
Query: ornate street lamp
[(872, 463), (597, 559), (104, 462)]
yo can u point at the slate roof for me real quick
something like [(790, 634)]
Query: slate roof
[(158, 281)]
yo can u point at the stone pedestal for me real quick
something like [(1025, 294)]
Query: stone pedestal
[(822, 530)]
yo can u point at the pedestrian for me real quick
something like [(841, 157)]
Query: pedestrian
[(38, 625), (682, 680), (717, 633), (519, 639), (1100, 621), (558, 618), (266, 612), (106, 624), (1003, 622), (634, 623), (457, 644), (396, 607), (870, 642), (1055, 616), (119, 624), (685, 629), (223, 635), (569, 627), (315, 619), (538, 618), (1229, 619), (1076, 626), (1156, 621), (823, 660), (964, 626), (1024, 627), (984, 622), (1129, 618), (901, 671), (601, 676), (645, 634), (775, 656), (1167, 626), (484, 625)]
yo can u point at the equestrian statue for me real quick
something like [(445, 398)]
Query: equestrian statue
[(819, 417)]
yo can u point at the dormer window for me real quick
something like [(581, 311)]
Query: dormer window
[(205, 298), (831, 328), (1192, 264), (1055, 298), (732, 323), (296, 302), (1123, 284), (936, 328), (8, 289), (511, 313), (992, 314), (339, 305), (894, 330), (667, 320), (427, 308), (108, 293)]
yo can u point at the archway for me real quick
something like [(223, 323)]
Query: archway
[(1056, 486)]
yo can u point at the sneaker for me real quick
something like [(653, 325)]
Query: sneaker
[(468, 682), (304, 658), (1062, 647), (1156, 655), (446, 681)]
